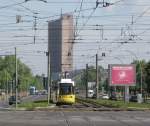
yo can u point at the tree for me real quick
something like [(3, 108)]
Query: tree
[(140, 74), (25, 76), (81, 78)]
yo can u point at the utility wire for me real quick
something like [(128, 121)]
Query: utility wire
[(76, 26), (28, 9), (11, 5), (97, 3), (141, 15)]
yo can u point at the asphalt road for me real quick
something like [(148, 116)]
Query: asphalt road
[(4, 104), (60, 118), (34, 98)]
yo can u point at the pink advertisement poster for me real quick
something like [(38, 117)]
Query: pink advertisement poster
[(122, 75)]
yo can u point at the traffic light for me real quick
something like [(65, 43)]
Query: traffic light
[(103, 54), (18, 18)]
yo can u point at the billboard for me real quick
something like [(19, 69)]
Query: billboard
[(122, 75)]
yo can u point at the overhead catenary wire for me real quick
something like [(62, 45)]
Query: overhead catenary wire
[(86, 28), (77, 18), (11, 5)]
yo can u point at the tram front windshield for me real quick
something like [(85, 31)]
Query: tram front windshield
[(66, 88)]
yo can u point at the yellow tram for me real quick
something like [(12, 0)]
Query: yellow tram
[(66, 93)]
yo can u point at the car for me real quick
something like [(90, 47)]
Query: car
[(12, 100), (90, 93), (76, 91), (133, 98), (105, 96), (43, 93), (94, 96), (113, 97)]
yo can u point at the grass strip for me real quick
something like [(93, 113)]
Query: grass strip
[(117, 104), (33, 105)]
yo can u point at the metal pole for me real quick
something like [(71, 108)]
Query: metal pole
[(11, 87), (141, 77), (50, 82), (26, 87), (16, 77), (48, 78), (126, 95), (7, 87), (86, 80), (97, 76), (48, 74)]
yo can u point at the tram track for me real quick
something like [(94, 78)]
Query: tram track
[(80, 105)]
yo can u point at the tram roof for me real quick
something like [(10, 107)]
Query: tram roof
[(67, 81)]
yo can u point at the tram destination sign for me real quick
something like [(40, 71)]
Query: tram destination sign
[(122, 75)]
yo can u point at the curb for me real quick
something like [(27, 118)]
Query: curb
[(28, 109), (52, 108), (79, 109)]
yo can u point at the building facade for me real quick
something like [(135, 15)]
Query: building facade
[(60, 44)]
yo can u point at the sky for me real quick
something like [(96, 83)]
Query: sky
[(120, 30)]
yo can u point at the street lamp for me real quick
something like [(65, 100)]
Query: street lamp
[(98, 73)]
